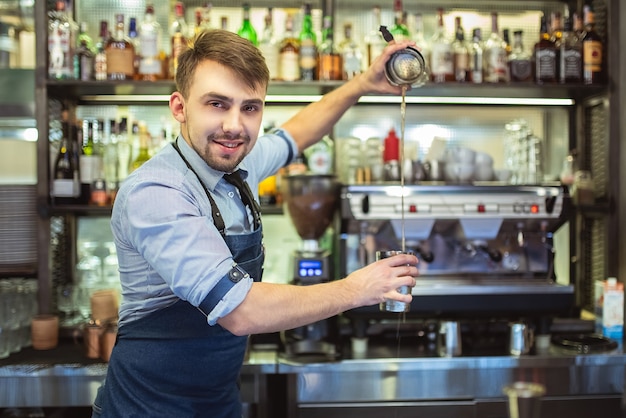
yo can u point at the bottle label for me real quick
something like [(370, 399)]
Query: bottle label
[(441, 62), (496, 69), (546, 64), (149, 45), (592, 56), (308, 60), (289, 66), (571, 64), (521, 70), (120, 61), (65, 188), (60, 56)]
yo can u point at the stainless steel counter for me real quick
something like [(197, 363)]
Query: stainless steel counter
[(460, 382)]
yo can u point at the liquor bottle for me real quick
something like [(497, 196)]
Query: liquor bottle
[(84, 55), (461, 53), (441, 57), (592, 50), (329, 59), (124, 147), (120, 53), (351, 54), (61, 43), (319, 156), (65, 181), (133, 37), (520, 63), (374, 40), (506, 37), (308, 46), (203, 18), (149, 40), (556, 28), (570, 55), (545, 56), (246, 30), (224, 22), (476, 57), (417, 34), (144, 147), (399, 30), (288, 56), (100, 59), (495, 65), (179, 32), (269, 46)]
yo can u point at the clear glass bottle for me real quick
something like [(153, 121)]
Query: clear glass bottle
[(246, 30), (476, 57), (545, 56), (461, 53), (520, 65), (416, 28), (149, 40), (441, 56), (61, 43), (374, 40), (329, 60), (351, 54), (308, 46), (203, 18), (100, 59), (269, 46), (120, 53), (495, 65), (570, 55), (288, 56), (179, 34)]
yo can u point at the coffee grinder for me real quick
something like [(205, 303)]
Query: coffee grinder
[(311, 201)]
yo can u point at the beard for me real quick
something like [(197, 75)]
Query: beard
[(225, 162)]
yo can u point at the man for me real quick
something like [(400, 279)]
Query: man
[(189, 242)]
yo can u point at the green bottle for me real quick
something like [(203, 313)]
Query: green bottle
[(247, 31), (308, 47)]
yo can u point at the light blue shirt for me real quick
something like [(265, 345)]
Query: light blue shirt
[(167, 245)]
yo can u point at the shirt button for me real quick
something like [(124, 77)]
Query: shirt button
[(231, 194)]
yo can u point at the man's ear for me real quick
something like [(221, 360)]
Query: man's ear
[(177, 106)]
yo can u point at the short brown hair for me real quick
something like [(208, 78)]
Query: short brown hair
[(228, 49)]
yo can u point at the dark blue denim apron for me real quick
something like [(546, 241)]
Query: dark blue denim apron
[(172, 364)]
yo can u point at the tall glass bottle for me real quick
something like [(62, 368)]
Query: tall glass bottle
[(545, 56), (520, 65), (476, 57), (246, 30), (351, 54), (308, 46), (374, 40), (399, 30), (179, 33), (417, 34), (203, 18), (144, 147), (496, 69), (120, 53), (289, 53), (441, 57), (269, 46), (329, 62), (570, 55), (461, 53), (149, 39), (100, 59), (65, 181), (84, 55), (61, 43), (133, 37), (592, 50)]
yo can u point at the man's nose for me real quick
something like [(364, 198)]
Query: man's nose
[(232, 122)]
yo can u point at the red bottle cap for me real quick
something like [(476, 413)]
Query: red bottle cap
[(392, 147)]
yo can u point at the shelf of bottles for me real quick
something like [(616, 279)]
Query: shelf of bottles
[(120, 55)]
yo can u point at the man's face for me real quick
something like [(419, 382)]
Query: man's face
[(221, 118)]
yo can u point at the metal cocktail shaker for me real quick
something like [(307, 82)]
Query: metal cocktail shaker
[(392, 305), (405, 67)]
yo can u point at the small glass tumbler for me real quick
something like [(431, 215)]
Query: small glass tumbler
[(393, 305)]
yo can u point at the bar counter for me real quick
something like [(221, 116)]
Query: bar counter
[(384, 378)]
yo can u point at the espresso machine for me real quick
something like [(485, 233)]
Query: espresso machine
[(485, 251), (311, 201)]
